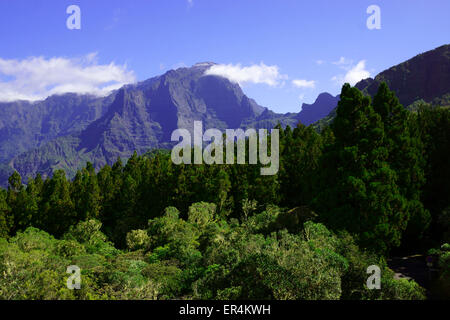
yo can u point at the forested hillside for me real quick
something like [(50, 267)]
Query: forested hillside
[(376, 180)]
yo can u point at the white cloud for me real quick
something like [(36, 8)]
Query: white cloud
[(261, 73), (190, 3), (357, 73), (36, 78), (320, 62), (353, 75), (299, 83)]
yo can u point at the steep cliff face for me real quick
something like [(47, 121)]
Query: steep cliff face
[(138, 117), (144, 115), (25, 125), (424, 77)]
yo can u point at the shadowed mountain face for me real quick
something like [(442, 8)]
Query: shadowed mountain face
[(143, 116), (425, 77), (25, 125), (322, 107), (309, 114)]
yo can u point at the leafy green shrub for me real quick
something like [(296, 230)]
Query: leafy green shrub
[(137, 239)]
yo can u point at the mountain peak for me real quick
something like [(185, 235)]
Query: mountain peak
[(204, 64), (323, 105), (323, 96)]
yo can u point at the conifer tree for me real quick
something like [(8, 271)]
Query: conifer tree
[(434, 126), (5, 216), (358, 189), (406, 158), (57, 209), (300, 159)]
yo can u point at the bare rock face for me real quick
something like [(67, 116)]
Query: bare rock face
[(63, 132)]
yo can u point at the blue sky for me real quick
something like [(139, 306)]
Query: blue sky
[(283, 53)]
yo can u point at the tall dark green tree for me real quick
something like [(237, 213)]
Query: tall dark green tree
[(300, 154), (86, 194), (57, 209), (6, 220), (27, 204), (358, 190), (434, 126), (406, 158), (13, 198)]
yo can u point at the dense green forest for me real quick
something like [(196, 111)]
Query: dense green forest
[(376, 181)]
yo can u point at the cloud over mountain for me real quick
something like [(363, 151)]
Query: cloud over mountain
[(258, 74), (36, 78), (354, 73)]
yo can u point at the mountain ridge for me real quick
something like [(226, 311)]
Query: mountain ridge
[(140, 117), (66, 131), (424, 78)]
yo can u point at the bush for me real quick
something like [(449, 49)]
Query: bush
[(137, 239)]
